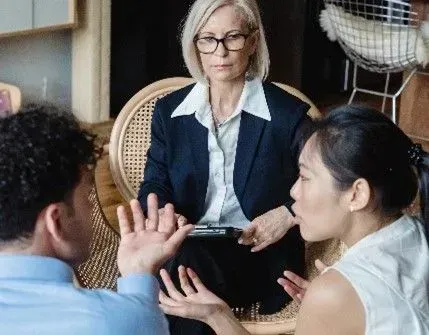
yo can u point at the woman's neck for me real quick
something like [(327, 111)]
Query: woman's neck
[(363, 224), (224, 97)]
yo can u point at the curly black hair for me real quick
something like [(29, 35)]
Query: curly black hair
[(42, 152)]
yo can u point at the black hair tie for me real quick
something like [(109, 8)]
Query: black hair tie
[(415, 154)]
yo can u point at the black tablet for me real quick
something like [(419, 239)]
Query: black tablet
[(215, 231)]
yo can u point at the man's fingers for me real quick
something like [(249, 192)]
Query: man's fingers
[(152, 212), (169, 285), (175, 240), (167, 220), (320, 265), (138, 216), (124, 224), (184, 282), (297, 280)]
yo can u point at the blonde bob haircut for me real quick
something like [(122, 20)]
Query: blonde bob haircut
[(198, 15)]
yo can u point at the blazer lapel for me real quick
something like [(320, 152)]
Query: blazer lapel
[(251, 128), (197, 136)]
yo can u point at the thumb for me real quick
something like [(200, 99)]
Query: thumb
[(173, 243), (320, 265)]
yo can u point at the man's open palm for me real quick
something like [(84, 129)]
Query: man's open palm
[(148, 242)]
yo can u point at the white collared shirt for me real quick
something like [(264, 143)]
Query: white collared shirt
[(221, 206), (389, 270)]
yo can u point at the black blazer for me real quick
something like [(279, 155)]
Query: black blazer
[(177, 167)]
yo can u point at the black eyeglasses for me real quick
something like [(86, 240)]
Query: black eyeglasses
[(232, 42)]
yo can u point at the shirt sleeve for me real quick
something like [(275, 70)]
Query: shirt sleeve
[(139, 312), (140, 284)]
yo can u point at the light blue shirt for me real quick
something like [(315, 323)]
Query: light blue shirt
[(37, 296), (221, 206)]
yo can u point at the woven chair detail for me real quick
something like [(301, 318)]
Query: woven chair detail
[(130, 138), (101, 269)]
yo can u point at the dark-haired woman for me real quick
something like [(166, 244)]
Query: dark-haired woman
[(358, 172)]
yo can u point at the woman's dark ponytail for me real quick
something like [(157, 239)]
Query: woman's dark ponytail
[(420, 160)]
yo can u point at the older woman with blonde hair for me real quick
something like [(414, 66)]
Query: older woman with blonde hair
[(224, 152)]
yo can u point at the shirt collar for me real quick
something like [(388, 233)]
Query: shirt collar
[(396, 229), (252, 101), (30, 267), (195, 101)]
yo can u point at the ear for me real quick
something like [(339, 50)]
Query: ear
[(52, 215), (359, 195)]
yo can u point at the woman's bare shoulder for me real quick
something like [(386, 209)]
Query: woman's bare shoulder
[(331, 306)]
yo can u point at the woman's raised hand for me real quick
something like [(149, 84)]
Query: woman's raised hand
[(295, 285), (197, 302)]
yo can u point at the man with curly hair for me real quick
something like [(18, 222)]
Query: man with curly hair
[(46, 175)]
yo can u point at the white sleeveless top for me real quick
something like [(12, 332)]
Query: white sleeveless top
[(389, 270)]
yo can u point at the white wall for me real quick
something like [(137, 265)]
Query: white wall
[(40, 65)]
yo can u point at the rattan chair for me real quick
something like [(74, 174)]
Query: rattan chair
[(129, 142)]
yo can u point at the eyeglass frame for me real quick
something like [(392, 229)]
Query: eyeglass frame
[(222, 40)]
